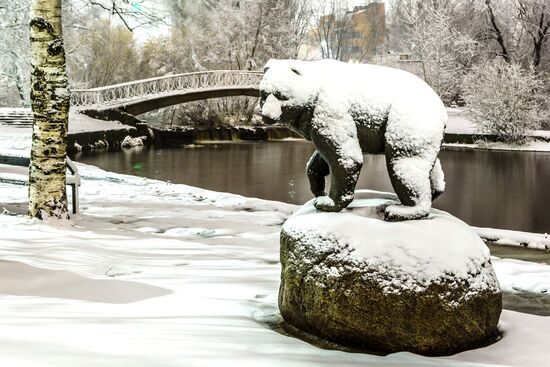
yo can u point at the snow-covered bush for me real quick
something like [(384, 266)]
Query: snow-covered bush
[(504, 100), (440, 47)]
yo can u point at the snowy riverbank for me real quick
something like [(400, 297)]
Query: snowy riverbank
[(158, 274), (460, 127), (86, 130), (532, 146)]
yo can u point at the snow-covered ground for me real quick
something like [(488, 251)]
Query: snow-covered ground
[(79, 123), (157, 274), (15, 141), (457, 123), (515, 238)]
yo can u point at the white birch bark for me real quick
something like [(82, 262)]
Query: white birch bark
[(50, 106)]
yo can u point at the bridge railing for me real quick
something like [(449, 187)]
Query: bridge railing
[(126, 92)]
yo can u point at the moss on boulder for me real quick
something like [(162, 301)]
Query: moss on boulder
[(424, 286)]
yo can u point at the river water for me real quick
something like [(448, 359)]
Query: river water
[(509, 190)]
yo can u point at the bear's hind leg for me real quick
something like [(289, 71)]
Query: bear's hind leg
[(410, 177), (437, 180), (317, 169)]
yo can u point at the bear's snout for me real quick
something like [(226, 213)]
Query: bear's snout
[(268, 121), (271, 110)]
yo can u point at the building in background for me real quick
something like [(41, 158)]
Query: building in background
[(350, 35), (366, 31)]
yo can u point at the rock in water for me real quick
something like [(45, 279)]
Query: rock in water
[(424, 286)]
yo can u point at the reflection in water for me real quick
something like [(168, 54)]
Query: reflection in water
[(487, 189)]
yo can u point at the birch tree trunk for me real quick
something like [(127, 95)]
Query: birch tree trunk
[(50, 107)]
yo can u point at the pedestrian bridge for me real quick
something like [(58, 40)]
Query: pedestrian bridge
[(146, 95)]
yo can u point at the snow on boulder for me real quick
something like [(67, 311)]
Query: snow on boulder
[(425, 286)]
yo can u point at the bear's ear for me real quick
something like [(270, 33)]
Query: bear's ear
[(296, 71), (266, 69)]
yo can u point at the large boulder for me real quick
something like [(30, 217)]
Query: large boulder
[(425, 286)]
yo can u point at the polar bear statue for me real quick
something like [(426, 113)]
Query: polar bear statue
[(350, 109)]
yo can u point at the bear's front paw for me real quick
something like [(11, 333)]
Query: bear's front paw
[(319, 193), (326, 204), (396, 213)]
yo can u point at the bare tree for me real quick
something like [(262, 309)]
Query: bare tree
[(112, 56), (332, 26), (496, 33), (534, 16), (132, 14), (302, 12), (520, 28)]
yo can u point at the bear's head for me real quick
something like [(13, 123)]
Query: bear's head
[(286, 90)]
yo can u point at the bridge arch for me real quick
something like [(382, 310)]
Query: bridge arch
[(142, 96)]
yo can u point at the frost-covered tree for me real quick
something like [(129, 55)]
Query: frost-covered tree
[(518, 32), (496, 31), (504, 99), (301, 12), (112, 56), (78, 24), (534, 16), (228, 34), (445, 51), (250, 34), (50, 106), (14, 50), (133, 14), (519, 28)]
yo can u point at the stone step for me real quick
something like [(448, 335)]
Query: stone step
[(16, 122), (16, 117), (17, 125)]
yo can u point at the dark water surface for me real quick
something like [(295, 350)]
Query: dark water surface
[(509, 190)]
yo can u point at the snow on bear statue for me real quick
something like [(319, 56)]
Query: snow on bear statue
[(350, 109)]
